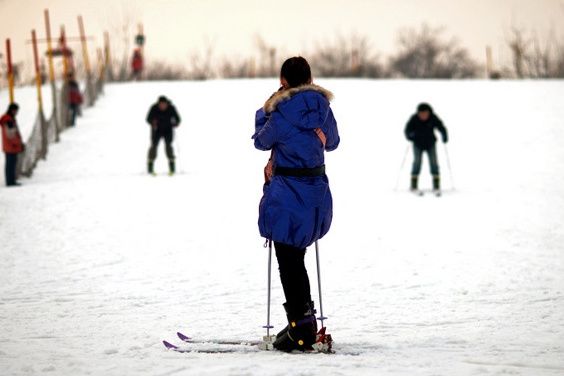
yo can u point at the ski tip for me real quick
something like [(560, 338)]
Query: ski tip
[(169, 345), (183, 337)]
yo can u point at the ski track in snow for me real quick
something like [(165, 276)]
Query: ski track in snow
[(99, 262)]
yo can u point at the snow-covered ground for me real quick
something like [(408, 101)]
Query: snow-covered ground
[(100, 262)]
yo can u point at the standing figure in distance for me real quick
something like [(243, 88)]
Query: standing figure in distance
[(162, 118), (12, 143), (420, 130), (74, 99), (137, 65), (298, 126)]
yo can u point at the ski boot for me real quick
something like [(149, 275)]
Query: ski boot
[(413, 187), (283, 331), (171, 167), (301, 332), (437, 185), (150, 168)]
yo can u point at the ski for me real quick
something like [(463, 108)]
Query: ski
[(217, 346), (422, 192), (221, 349), (185, 338)]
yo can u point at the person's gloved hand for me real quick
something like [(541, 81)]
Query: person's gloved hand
[(445, 138)]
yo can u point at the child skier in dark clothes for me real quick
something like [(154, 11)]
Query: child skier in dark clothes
[(420, 130), (297, 124), (163, 119)]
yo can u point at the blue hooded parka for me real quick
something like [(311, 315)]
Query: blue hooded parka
[(296, 210)]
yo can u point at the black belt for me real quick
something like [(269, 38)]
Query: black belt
[(300, 172)]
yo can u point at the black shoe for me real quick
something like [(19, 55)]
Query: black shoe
[(413, 186), (171, 167), (436, 183), (301, 331), (150, 167), (283, 331)]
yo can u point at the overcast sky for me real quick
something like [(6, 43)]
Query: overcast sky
[(175, 28)]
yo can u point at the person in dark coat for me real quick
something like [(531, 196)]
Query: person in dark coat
[(74, 99), (162, 118), (12, 143), (420, 130), (298, 126)]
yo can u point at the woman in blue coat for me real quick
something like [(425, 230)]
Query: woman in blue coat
[(296, 123)]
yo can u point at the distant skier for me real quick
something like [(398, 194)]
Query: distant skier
[(420, 129), (163, 118), (12, 143), (136, 64), (297, 124), (74, 99)]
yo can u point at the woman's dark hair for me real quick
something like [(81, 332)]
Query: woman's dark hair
[(296, 71)]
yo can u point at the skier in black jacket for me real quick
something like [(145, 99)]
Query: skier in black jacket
[(420, 129), (163, 118)]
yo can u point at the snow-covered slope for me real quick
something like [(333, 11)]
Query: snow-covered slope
[(99, 262)]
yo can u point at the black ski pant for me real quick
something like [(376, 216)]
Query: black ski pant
[(10, 168), (293, 275), (156, 135), (73, 112), (417, 159)]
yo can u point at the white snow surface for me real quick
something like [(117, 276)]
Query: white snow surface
[(100, 262)]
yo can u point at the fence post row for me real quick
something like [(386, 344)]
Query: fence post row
[(46, 131)]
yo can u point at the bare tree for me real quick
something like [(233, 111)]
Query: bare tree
[(162, 71), (235, 68), (346, 57), (267, 58), (536, 58), (200, 64), (122, 29), (425, 54)]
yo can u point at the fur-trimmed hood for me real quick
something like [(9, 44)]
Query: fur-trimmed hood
[(280, 96)]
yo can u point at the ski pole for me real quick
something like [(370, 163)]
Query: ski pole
[(268, 326), (401, 167), (321, 318), (177, 150), (449, 168)]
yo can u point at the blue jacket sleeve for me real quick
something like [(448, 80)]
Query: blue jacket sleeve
[(265, 133), (331, 132)]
